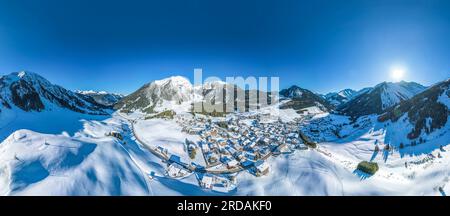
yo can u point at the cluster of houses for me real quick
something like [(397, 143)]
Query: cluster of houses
[(228, 146), (217, 183), (241, 142)]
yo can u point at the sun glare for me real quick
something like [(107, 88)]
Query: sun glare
[(397, 73)]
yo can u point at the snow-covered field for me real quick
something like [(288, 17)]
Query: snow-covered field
[(43, 164), (167, 134), (55, 121)]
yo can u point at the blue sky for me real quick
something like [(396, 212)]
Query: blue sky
[(319, 45)]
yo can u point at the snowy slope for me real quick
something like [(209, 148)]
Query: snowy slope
[(379, 98), (54, 121), (428, 167), (393, 93), (43, 164), (425, 113)]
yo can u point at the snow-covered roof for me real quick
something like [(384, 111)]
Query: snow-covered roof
[(261, 165), (207, 179)]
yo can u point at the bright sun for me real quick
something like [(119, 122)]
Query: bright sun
[(397, 73)]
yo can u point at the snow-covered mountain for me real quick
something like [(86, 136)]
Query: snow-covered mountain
[(102, 97), (243, 100), (177, 93), (30, 92), (338, 98), (159, 94), (426, 112), (300, 98), (377, 99)]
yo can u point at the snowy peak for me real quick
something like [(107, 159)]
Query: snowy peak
[(377, 99), (346, 93), (338, 98), (293, 92), (25, 76), (171, 91), (29, 91), (177, 81), (89, 92), (102, 97), (175, 88), (393, 93)]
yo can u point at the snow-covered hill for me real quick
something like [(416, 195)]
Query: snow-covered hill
[(379, 98), (28, 91), (87, 163)]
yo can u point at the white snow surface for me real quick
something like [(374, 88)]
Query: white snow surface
[(43, 164)]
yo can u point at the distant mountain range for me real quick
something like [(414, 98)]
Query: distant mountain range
[(102, 97), (338, 98), (377, 99), (371, 100), (177, 93), (30, 92)]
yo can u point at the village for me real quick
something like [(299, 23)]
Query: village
[(229, 146)]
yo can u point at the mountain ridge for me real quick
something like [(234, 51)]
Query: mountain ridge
[(301, 98), (340, 97), (102, 97), (426, 111), (377, 99), (29, 91)]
